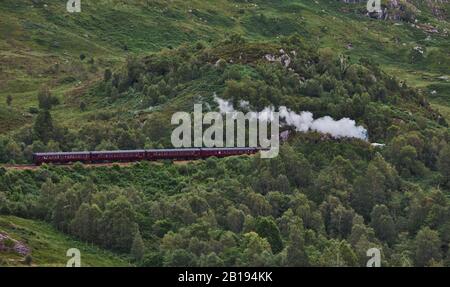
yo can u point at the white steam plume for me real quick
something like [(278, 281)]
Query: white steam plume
[(304, 121)]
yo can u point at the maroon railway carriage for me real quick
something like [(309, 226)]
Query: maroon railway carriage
[(173, 154), (139, 155), (61, 157), (119, 155)]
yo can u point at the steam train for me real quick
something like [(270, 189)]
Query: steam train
[(139, 155)]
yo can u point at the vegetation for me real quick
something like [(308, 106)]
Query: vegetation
[(322, 202), (48, 246)]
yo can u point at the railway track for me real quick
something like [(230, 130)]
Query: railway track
[(89, 165), (19, 166), (35, 167)]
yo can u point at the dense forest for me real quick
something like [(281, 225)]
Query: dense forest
[(322, 202)]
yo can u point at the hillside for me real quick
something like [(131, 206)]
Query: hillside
[(47, 246), (112, 76), (45, 47)]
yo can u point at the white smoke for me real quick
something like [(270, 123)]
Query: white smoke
[(224, 106), (304, 121)]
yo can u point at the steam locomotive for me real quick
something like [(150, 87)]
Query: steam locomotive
[(139, 155)]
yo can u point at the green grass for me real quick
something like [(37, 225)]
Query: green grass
[(44, 47), (49, 247)]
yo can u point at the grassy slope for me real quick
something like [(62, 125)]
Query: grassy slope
[(42, 45), (49, 246)]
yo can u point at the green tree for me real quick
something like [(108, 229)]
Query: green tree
[(298, 169), (211, 260), (338, 254), (156, 128), (46, 100), (137, 248), (375, 187), (338, 219), (444, 164), (361, 238), (347, 254), (153, 259), (82, 106), (180, 258), (279, 202), (43, 126), (296, 255), (428, 247), (107, 75), (313, 88), (235, 219), (362, 198), (118, 225), (13, 151), (9, 100), (266, 228), (383, 224), (256, 250), (335, 179), (258, 204), (405, 152), (85, 223), (62, 213)]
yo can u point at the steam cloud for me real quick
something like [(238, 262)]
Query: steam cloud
[(304, 121)]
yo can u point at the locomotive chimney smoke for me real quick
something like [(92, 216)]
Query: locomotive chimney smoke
[(342, 128), (224, 106), (304, 121)]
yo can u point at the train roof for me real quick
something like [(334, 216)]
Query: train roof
[(61, 153), (117, 151), (140, 150), (198, 149), (172, 149), (230, 148)]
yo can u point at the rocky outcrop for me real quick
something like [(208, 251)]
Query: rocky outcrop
[(396, 10), (7, 244), (404, 10), (284, 58)]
